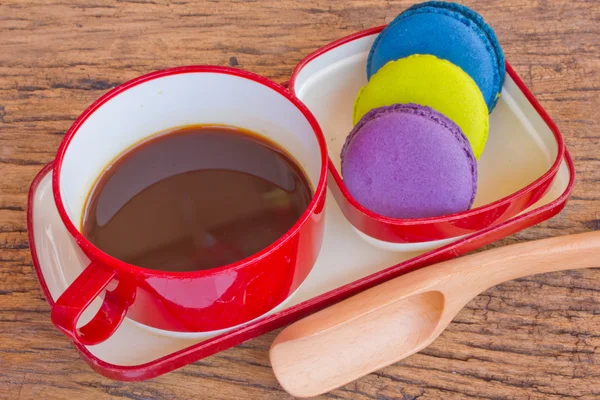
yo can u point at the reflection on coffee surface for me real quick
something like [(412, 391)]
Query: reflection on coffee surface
[(195, 198)]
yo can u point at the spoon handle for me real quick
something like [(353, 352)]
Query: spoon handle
[(389, 322)]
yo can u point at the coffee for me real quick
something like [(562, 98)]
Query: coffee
[(195, 198)]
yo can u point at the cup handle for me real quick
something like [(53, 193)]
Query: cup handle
[(78, 296)]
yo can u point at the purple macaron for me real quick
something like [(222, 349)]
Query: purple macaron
[(409, 161)]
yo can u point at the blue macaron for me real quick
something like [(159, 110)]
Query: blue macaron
[(446, 30)]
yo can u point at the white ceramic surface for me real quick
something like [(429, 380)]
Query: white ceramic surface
[(160, 104), (520, 149), (344, 258)]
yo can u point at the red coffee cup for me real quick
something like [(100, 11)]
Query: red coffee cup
[(203, 300)]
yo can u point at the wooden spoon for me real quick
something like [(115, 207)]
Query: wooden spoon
[(396, 319)]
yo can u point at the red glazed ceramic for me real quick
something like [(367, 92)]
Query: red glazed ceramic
[(185, 301), (346, 264)]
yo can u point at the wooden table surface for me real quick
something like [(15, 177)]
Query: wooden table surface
[(535, 338)]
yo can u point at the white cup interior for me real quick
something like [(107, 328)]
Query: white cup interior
[(170, 101)]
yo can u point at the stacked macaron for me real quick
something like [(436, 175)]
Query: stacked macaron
[(421, 122)]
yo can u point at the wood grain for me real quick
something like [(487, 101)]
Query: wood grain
[(534, 338)]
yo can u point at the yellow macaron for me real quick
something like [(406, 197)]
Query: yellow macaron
[(433, 82)]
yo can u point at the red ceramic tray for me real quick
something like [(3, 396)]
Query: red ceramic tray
[(346, 266)]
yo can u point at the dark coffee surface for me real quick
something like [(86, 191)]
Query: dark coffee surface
[(195, 198)]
